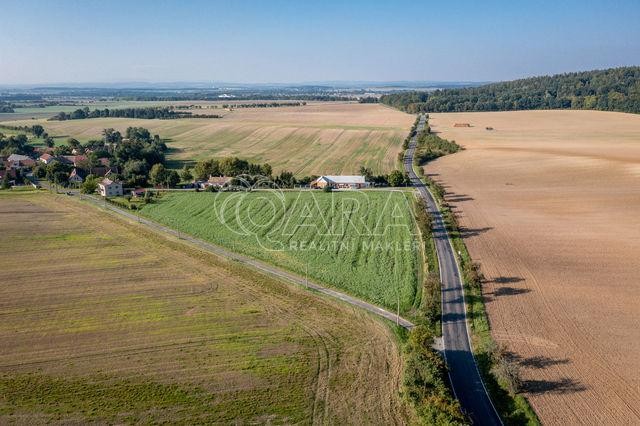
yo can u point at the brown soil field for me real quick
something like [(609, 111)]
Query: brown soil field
[(318, 138), (549, 202), (102, 321)]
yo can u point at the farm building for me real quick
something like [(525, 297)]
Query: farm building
[(19, 162), (462, 125), (215, 181), (340, 182), (109, 188)]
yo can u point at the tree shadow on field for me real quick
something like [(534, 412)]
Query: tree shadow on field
[(454, 198), (506, 280), (509, 291), (537, 362), (504, 290), (466, 232), (561, 386), (541, 362)]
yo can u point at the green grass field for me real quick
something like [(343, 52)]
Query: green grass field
[(360, 242)]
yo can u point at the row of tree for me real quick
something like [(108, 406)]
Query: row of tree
[(148, 113), (229, 166), (431, 146), (6, 107), (264, 105), (234, 166), (616, 89)]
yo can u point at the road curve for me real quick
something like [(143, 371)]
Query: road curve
[(463, 371), (253, 263)]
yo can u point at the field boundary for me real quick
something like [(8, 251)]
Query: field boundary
[(463, 367), (513, 408), (483, 337), (255, 264)]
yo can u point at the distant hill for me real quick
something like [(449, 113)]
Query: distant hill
[(615, 89)]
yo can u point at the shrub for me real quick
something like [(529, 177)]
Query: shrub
[(425, 381)]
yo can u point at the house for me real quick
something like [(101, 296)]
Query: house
[(109, 188), (46, 158), (77, 176), (340, 182), (215, 181), (100, 171), (19, 162), (138, 192), (74, 160)]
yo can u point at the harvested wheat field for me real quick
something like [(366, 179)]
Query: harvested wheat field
[(317, 138), (550, 203), (104, 322)]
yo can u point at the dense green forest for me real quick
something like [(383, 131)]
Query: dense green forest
[(148, 113), (615, 89)]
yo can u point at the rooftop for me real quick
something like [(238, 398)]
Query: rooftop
[(344, 178)]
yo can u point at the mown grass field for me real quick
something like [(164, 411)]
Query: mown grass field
[(104, 322), (360, 242), (318, 138)]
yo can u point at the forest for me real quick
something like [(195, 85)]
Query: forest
[(615, 89)]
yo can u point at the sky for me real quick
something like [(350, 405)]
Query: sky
[(77, 41)]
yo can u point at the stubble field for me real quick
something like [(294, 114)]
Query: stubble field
[(104, 322), (549, 202), (318, 138)]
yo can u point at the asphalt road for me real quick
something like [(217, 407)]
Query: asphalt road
[(253, 263), (463, 371)]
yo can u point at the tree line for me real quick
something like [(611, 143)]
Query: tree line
[(265, 105), (6, 107), (147, 113), (430, 146), (234, 166), (615, 89), (15, 144)]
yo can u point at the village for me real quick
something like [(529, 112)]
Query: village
[(132, 164), (17, 167)]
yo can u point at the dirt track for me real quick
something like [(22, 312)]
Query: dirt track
[(550, 201)]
